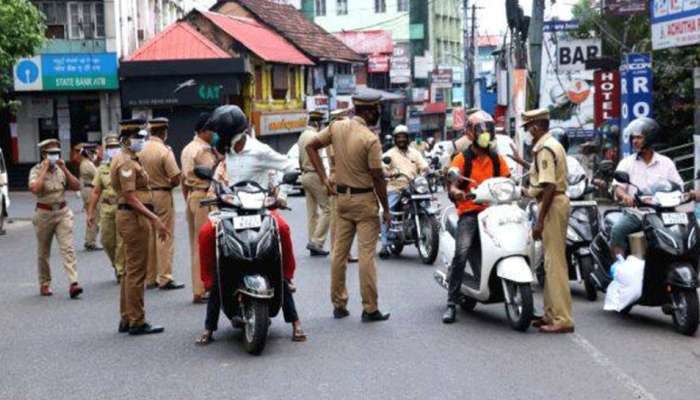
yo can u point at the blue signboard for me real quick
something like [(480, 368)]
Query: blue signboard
[(636, 83), (79, 71)]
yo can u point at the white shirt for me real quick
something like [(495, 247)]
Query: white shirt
[(646, 175), (254, 163)]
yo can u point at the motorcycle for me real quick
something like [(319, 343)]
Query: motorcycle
[(669, 246), (248, 262), (499, 271), (414, 219), (582, 227), (434, 177)]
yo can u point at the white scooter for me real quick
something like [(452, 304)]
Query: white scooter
[(504, 243)]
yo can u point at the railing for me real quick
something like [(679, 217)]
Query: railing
[(684, 158)]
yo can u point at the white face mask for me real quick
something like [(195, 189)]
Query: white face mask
[(110, 153), (53, 158), (527, 138), (237, 139), (137, 145)]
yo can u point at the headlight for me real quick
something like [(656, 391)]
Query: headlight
[(572, 235), (575, 191), (421, 186), (668, 200), (503, 191)]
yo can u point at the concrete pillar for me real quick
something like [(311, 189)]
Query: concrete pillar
[(111, 15)]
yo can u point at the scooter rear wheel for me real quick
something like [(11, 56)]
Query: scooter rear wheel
[(685, 311)]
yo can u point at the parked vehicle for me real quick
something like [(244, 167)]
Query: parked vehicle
[(249, 262), (499, 272), (4, 193), (414, 219), (670, 255), (582, 228)]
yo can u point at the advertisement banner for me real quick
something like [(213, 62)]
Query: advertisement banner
[(378, 63), (518, 103), (422, 66), (607, 96), (573, 54), (400, 70), (281, 123), (675, 23), (458, 118), (441, 78), (636, 83), (174, 91), (71, 71), (625, 7)]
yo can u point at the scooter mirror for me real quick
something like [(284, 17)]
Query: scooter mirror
[(452, 175), (204, 173), (386, 160), (622, 177)]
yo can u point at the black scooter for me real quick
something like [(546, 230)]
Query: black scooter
[(670, 258), (249, 261)]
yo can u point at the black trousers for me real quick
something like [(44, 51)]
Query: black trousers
[(211, 323), (466, 242)]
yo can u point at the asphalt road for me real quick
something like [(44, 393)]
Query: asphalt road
[(57, 348)]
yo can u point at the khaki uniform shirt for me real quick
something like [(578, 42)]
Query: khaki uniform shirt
[(87, 172), (410, 163), (127, 175), (196, 153), (103, 181), (549, 166), (357, 151), (304, 139), (159, 162), (55, 184)]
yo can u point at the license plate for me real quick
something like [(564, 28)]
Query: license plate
[(675, 218), (584, 203), (247, 222)]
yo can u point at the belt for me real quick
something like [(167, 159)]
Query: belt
[(51, 207), (127, 207), (88, 185), (196, 189), (352, 190), (162, 189)]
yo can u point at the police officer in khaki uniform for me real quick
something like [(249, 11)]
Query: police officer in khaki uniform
[(317, 199), (88, 171), (104, 194), (548, 185), (199, 152), (359, 183), (135, 219), (48, 181), (159, 163)]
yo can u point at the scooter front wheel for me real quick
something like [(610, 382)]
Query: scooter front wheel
[(256, 319), (685, 311), (519, 305)]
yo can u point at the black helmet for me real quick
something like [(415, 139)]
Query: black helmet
[(646, 127), (228, 121), (561, 136)]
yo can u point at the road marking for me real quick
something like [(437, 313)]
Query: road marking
[(613, 370)]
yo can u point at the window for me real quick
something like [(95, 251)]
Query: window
[(379, 6), (56, 22), (280, 82), (402, 6), (85, 20), (342, 7), (320, 8), (258, 83)]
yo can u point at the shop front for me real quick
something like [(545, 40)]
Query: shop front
[(433, 121)]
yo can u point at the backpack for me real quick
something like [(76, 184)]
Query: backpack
[(469, 156)]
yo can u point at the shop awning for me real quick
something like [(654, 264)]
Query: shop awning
[(179, 41), (386, 96), (262, 41)]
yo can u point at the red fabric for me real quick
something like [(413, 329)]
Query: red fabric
[(207, 250)]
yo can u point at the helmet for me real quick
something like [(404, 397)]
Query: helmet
[(646, 127), (561, 136), (228, 121), (482, 122), (400, 129)]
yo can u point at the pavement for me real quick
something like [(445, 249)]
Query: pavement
[(57, 348)]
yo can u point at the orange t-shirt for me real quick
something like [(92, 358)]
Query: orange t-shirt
[(482, 169)]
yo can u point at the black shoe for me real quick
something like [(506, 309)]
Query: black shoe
[(92, 247), (123, 327), (172, 285), (339, 313), (384, 253), (316, 250), (450, 315), (375, 316), (145, 329)]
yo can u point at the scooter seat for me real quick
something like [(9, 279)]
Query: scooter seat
[(451, 225), (610, 219)]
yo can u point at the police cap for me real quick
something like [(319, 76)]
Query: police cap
[(49, 143)]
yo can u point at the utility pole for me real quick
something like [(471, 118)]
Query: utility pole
[(535, 37), (467, 96), (472, 56)]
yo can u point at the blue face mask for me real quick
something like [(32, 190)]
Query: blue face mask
[(215, 140)]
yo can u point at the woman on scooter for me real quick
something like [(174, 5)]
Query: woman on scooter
[(246, 159)]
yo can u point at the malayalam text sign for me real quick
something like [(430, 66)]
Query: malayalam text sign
[(675, 23)]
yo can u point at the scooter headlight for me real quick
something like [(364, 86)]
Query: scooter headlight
[(503, 191), (421, 185)]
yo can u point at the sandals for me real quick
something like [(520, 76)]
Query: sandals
[(205, 339), (298, 335)]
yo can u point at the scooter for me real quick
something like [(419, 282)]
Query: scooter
[(669, 246), (248, 262), (414, 220), (582, 227), (499, 272)]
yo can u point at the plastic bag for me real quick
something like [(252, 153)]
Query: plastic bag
[(626, 287)]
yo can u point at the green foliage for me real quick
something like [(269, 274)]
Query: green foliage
[(674, 96), (21, 33)]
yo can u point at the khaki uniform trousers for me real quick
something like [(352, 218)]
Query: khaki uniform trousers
[(135, 230), (160, 253), (90, 233), (47, 225), (358, 213), (196, 217), (317, 208), (110, 239), (557, 292)]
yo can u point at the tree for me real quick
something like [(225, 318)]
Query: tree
[(674, 96), (21, 33)]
